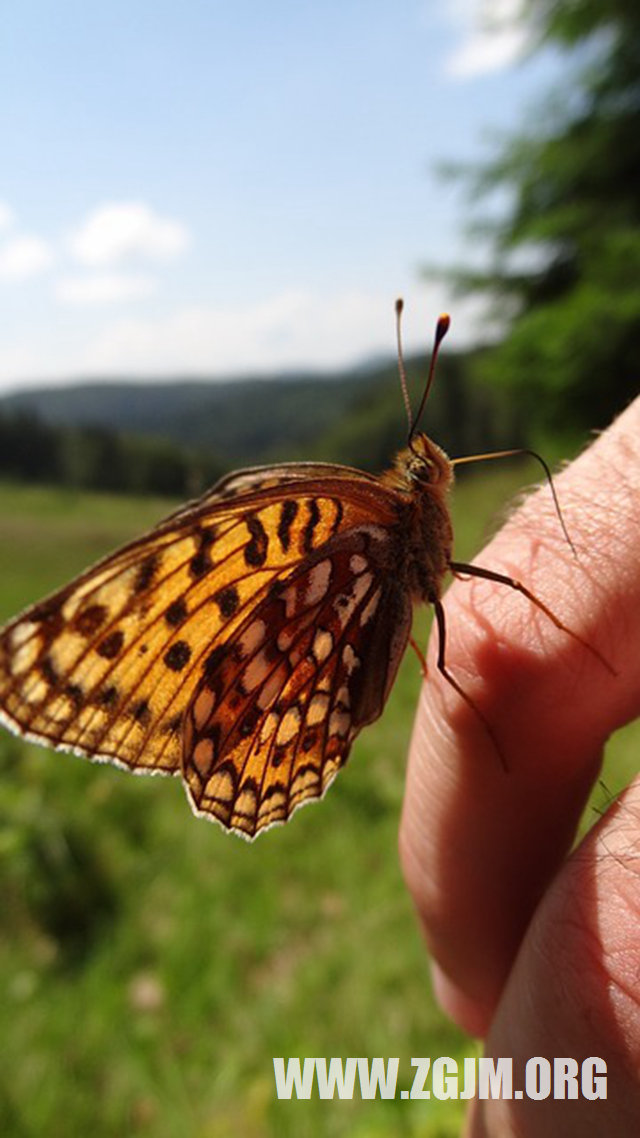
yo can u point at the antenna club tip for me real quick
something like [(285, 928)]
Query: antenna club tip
[(399, 305), (442, 327)]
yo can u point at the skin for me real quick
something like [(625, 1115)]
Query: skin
[(536, 949)]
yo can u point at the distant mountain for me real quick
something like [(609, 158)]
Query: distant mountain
[(356, 417), (233, 418)]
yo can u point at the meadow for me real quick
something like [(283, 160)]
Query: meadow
[(151, 965)]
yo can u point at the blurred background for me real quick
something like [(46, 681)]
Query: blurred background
[(206, 214)]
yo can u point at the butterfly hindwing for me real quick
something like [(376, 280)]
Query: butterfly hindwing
[(281, 701)]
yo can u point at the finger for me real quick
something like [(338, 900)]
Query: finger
[(574, 990), (479, 846)]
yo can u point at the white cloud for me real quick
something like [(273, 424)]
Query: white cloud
[(292, 330), (287, 331), (118, 231), (6, 216), (103, 288), (492, 36), (483, 53), (24, 257)]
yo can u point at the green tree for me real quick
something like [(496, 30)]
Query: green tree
[(565, 267)]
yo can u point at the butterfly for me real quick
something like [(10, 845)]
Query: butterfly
[(245, 641)]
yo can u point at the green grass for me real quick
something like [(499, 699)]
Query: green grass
[(151, 965)]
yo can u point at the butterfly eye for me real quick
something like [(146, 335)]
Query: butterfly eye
[(424, 470), (428, 465)]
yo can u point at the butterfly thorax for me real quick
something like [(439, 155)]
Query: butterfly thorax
[(422, 475)]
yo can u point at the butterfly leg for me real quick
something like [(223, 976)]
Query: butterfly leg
[(458, 567), (421, 657), (442, 668)]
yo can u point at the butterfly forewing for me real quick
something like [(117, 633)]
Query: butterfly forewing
[(113, 665)]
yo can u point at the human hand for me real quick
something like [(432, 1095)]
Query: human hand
[(536, 951)]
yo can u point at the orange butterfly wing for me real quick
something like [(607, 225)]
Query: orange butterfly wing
[(118, 664)]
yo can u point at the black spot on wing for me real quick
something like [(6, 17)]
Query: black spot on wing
[(146, 573), (278, 756), (311, 525), (255, 553), (49, 671), (47, 612), (176, 613), (75, 693), (177, 656), (112, 645), (200, 563), (142, 712), (250, 721), (288, 514), (214, 659), (90, 620), (108, 696), (227, 600), (339, 514), (205, 536)]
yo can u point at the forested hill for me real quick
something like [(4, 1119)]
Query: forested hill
[(353, 417), (178, 437), (231, 418)]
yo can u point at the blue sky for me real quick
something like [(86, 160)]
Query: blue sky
[(218, 187)]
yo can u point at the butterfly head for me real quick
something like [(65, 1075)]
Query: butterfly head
[(421, 466)]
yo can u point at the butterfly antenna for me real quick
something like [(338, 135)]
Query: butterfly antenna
[(442, 327), (538, 457), (401, 370)]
